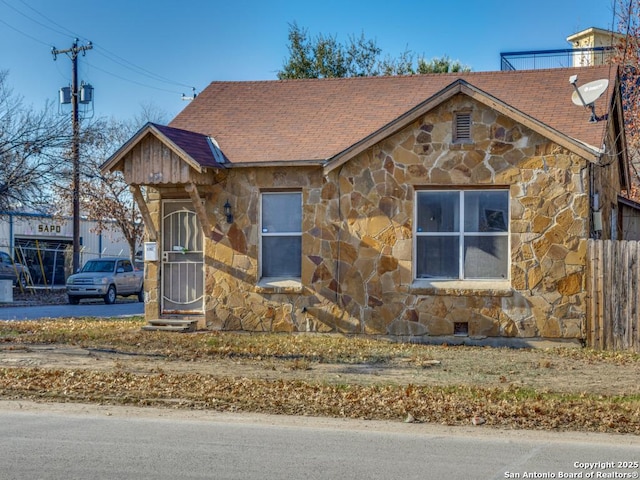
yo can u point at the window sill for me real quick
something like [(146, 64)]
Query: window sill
[(279, 285), (481, 288), (462, 145)]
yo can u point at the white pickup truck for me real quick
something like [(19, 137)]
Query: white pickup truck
[(106, 278)]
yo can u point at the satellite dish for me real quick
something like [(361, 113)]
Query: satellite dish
[(589, 92)]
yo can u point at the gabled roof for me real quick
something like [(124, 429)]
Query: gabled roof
[(200, 147), (293, 121), (196, 149)]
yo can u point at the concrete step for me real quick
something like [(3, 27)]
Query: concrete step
[(172, 325)]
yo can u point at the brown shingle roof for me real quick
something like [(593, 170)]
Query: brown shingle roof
[(305, 120)]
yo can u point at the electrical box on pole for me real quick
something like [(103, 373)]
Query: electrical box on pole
[(65, 95), (86, 93)]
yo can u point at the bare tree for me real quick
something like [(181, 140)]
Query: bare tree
[(105, 197), (627, 57), (32, 151)]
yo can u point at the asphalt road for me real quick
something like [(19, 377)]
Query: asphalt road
[(102, 442), (93, 309)]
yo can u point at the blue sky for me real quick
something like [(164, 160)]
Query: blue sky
[(153, 51)]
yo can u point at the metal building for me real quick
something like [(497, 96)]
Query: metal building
[(43, 243)]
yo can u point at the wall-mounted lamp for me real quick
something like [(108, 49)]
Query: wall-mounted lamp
[(227, 212)]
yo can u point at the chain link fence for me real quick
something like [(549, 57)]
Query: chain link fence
[(48, 262)]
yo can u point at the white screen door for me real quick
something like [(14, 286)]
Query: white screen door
[(182, 259)]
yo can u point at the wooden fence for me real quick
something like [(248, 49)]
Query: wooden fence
[(613, 295)]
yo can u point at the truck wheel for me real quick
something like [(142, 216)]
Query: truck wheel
[(22, 281), (141, 294), (74, 300), (110, 297)]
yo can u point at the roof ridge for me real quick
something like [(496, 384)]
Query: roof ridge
[(415, 75), (160, 127), (294, 119)]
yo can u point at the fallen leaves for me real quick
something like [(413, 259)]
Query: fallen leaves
[(126, 335), (492, 399), (444, 405)]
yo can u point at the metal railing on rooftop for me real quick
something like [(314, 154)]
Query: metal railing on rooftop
[(562, 58)]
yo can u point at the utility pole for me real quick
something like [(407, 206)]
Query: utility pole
[(75, 145)]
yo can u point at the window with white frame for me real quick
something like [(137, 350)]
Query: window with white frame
[(462, 234), (281, 234)]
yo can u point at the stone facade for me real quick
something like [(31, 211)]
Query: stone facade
[(358, 237)]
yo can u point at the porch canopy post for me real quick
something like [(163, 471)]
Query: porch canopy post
[(192, 190), (144, 211)]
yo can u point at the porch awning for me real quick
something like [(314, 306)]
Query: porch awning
[(160, 155)]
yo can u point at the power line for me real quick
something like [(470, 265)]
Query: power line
[(25, 34), (101, 50), (48, 19), (131, 66), (129, 80), (32, 19)]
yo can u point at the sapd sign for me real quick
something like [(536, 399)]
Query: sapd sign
[(49, 228)]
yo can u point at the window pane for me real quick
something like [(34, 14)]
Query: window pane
[(486, 211), (438, 211), (486, 257), (437, 257), (281, 212), (281, 256), (126, 265)]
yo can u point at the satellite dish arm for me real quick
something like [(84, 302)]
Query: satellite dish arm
[(594, 117), (575, 87)]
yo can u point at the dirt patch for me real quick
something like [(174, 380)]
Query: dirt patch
[(434, 391), (541, 370), (114, 361), (567, 370)]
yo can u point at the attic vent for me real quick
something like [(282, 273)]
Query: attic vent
[(462, 127)]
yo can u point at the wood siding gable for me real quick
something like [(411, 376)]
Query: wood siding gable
[(153, 162)]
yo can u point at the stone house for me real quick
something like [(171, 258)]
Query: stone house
[(449, 206)]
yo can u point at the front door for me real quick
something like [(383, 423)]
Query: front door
[(182, 259)]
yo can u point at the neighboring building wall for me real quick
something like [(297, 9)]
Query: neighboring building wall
[(358, 238), (593, 38), (44, 243), (630, 218), (47, 228), (605, 187)]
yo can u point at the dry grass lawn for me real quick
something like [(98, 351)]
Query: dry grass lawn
[(115, 362)]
